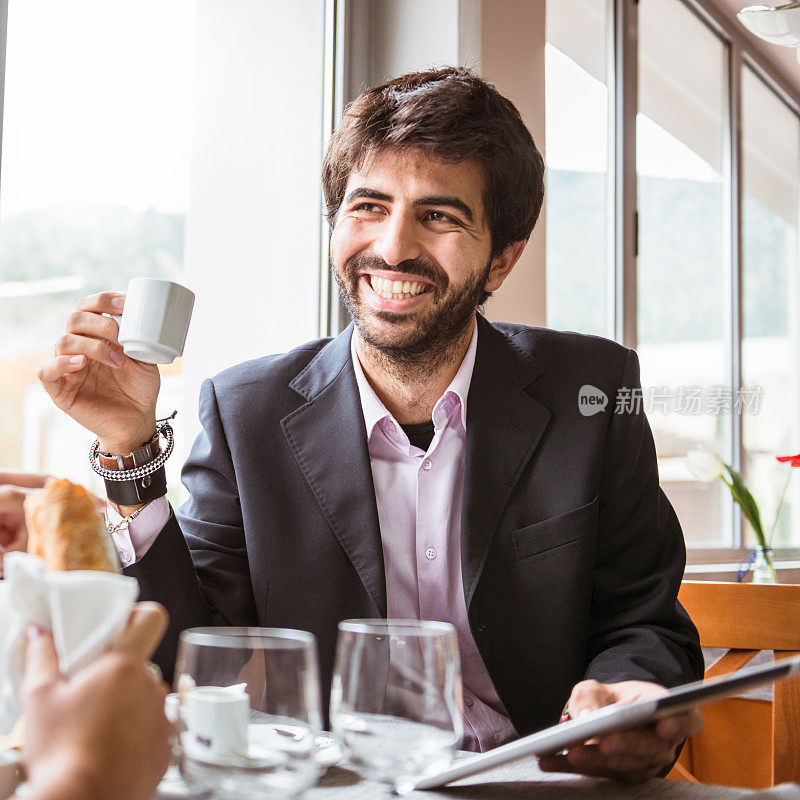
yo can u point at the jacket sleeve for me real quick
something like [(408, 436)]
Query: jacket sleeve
[(638, 630), (197, 567)]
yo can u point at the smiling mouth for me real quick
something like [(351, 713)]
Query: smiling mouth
[(397, 290)]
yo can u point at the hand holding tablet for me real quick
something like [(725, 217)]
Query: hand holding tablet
[(632, 755), (617, 718)]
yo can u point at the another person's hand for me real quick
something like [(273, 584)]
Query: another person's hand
[(14, 488), (634, 755), (93, 381), (101, 734)]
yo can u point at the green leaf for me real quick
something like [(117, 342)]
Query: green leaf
[(744, 497)]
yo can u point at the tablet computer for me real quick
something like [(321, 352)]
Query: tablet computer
[(616, 717)]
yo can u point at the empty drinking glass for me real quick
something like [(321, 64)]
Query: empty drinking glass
[(249, 711), (395, 699)]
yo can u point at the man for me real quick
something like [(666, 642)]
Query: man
[(424, 463)]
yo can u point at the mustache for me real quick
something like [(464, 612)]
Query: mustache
[(429, 270)]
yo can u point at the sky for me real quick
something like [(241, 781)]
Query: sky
[(98, 103)]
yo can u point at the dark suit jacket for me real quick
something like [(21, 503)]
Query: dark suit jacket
[(571, 554)]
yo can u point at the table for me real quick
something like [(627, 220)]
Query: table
[(524, 779)]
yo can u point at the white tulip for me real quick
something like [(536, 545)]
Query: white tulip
[(705, 466)]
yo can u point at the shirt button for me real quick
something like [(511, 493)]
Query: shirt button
[(124, 557), (426, 464), (430, 553), (469, 702)]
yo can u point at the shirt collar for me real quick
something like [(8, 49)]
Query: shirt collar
[(458, 390)]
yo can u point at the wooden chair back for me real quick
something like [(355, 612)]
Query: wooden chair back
[(745, 742)]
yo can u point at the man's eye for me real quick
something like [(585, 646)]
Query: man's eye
[(439, 216), (366, 207)]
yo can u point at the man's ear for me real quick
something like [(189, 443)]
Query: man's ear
[(502, 265)]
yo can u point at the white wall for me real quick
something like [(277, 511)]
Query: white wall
[(408, 35), (512, 57)]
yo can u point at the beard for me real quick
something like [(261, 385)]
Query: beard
[(421, 340)]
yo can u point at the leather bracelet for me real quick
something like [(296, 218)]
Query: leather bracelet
[(134, 493)]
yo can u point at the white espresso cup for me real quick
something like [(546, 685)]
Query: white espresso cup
[(216, 722), (155, 320)]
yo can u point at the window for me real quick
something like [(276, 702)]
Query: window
[(714, 260), (154, 139), (770, 298), (681, 264), (95, 182), (576, 152)]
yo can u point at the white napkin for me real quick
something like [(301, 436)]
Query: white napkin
[(86, 611)]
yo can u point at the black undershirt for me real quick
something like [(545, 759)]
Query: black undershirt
[(420, 435)]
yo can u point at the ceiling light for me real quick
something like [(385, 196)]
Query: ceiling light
[(778, 24)]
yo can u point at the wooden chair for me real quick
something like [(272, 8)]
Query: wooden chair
[(745, 742)]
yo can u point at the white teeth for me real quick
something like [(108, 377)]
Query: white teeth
[(396, 290)]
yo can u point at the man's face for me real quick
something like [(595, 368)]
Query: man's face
[(410, 251)]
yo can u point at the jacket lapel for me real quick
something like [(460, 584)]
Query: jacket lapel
[(327, 437), (504, 426)]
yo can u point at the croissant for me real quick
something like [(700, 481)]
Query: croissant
[(66, 530)]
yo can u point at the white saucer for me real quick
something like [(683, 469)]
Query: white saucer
[(173, 787)]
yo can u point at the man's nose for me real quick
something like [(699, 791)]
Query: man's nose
[(397, 240)]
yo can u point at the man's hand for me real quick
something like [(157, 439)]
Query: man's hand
[(635, 755), (93, 381), (103, 733)]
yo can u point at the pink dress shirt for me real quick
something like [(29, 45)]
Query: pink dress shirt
[(418, 495)]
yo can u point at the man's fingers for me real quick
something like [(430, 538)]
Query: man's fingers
[(562, 764), (95, 326), (145, 629), (680, 726), (589, 696), (590, 761), (639, 742), (102, 303), (52, 370), (72, 344), (41, 661)]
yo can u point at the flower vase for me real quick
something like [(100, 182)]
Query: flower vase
[(764, 566)]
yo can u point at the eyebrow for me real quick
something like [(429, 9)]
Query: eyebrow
[(433, 200)]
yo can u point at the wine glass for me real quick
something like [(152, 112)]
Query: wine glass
[(249, 711), (395, 698)]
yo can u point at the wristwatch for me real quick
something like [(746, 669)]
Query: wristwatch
[(147, 452)]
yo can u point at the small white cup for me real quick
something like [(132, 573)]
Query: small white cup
[(155, 320), (216, 721)]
